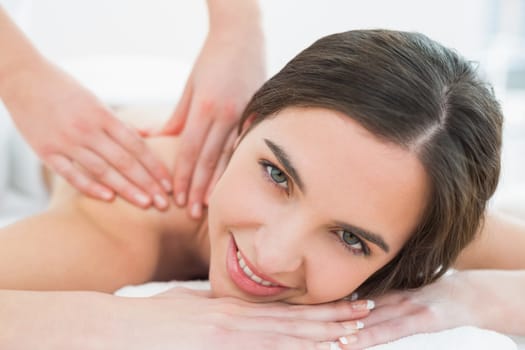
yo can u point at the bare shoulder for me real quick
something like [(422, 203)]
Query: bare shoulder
[(140, 230), (119, 214)]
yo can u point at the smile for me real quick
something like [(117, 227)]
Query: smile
[(246, 277), (250, 274)]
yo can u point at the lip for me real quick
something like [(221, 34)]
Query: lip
[(244, 282)]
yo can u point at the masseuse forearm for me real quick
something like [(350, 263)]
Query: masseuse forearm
[(234, 14), (55, 320), (17, 51)]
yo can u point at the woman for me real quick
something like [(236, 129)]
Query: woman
[(364, 165)]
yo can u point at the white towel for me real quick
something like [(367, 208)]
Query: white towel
[(453, 339)]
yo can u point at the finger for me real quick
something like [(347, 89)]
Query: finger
[(314, 330), (391, 298), (129, 139), (178, 119), (144, 132), (335, 311), (185, 292), (192, 139), (390, 330), (224, 158), (233, 339), (99, 168), (133, 177), (76, 177), (205, 166), (402, 309)]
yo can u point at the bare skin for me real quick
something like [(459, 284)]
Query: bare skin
[(102, 245), (98, 246), (94, 245)]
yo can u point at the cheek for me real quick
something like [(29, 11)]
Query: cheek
[(330, 265), (241, 196), (342, 276)]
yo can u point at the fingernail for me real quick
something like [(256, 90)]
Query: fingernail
[(363, 305), (166, 184), (196, 211), (335, 346), (348, 339), (181, 199), (353, 325), (105, 194), (160, 202), (141, 198)]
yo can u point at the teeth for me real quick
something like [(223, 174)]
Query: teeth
[(247, 271), (256, 278), (242, 263), (250, 274)]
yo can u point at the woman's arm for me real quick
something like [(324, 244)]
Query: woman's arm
[(487, 292), (64, 250), (178, 319), (499, 245), (490, 299)]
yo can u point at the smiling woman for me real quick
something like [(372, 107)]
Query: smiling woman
[(422, 158), (309, 218), (364, 165)]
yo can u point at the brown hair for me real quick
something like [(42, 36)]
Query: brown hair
[(409, 90)]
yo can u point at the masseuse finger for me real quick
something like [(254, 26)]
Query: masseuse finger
[(108, 176), (224, 158), (64, 166), (125, 164), (205, 166), (154, 171), (191, 141), (314, 330)]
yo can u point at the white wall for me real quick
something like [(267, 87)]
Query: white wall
[(177, 27)]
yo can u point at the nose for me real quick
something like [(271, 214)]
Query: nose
[(279, 248)]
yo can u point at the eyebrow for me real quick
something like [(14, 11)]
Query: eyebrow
[(369, 236), (284, 159)]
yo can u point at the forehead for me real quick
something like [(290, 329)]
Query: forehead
[(348, 173)]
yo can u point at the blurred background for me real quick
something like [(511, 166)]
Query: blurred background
[(138, 52)]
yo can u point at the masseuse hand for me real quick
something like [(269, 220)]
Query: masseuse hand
[(80, 139), (463, 298), (228, 70), (170, 321)]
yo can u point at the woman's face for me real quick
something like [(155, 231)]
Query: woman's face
[(312, 204)]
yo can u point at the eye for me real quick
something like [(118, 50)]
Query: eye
[(353, 243), (275, 175)]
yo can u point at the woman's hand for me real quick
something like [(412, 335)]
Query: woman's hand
[(483, 298), (188, 319), (80, 139), (177, 319), (228, 70)]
